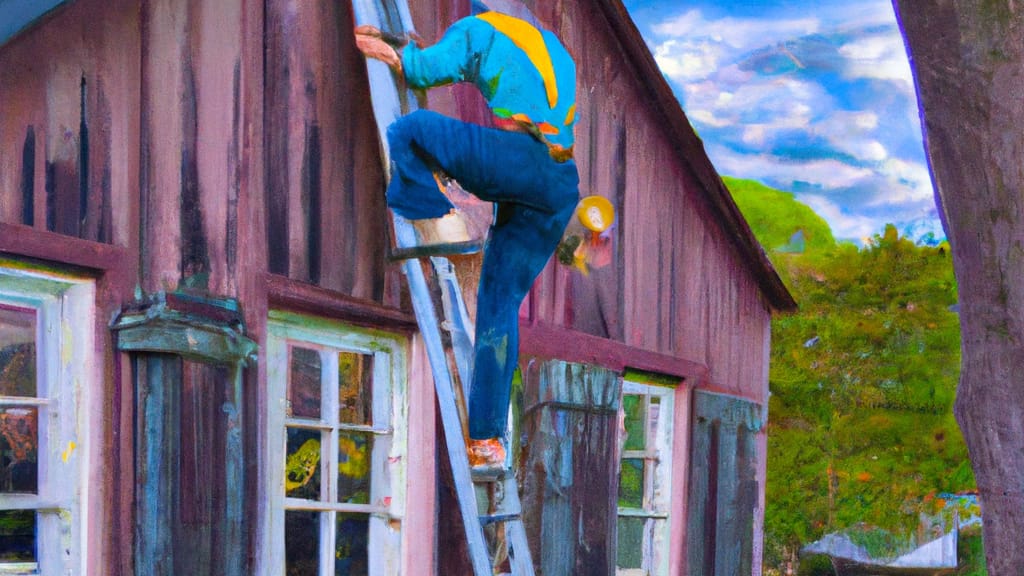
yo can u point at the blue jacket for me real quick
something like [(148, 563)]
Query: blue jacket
[(524, 73)]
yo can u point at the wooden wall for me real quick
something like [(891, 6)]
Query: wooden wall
[(214, 142), (141, 132)]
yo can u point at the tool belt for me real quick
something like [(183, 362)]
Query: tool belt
[(558, 153)]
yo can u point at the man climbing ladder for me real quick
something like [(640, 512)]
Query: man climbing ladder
[(524, 165)]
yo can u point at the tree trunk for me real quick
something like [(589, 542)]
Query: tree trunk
[(968, 60)]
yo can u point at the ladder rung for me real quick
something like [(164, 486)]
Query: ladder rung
[(488, 475), (425, 251), (496, 518)]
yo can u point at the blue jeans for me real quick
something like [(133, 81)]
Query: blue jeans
[(536, 197)]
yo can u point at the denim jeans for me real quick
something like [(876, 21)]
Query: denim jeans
[(535, 196)]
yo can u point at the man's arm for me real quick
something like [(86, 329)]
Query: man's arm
[(372, 43), (447, 61)]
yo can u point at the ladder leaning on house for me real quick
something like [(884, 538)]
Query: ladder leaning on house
[(483, 500)]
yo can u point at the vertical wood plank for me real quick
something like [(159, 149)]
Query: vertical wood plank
[(63, 99), (275, 123), (700, 494), (570, 477), (193, 531), (117, 88), (164, 101), (251, 248), (214, 48), (157, 421), (724, 494), (727, 546), (325, 173)]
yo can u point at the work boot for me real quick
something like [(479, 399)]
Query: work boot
[(486, 455), (448, 229)]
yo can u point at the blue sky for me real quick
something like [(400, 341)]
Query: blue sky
[(813, 97)]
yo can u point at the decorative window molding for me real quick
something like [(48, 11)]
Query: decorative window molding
[(335, 448), (47, 370)]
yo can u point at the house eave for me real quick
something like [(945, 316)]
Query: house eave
[(691, 151)]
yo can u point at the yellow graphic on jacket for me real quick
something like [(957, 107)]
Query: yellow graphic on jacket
[(529, 40)]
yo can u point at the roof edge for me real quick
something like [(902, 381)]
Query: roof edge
[(691, 149)]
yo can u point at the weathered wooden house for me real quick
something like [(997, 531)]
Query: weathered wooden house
[(209, 366)]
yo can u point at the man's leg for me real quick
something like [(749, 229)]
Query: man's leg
[(494, 165), (517, 251), (537, 196)]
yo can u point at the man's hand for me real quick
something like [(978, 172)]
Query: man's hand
[(370, 42)]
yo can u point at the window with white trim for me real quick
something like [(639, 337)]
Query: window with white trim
[(336, 446), (46, 336), (645, 479)]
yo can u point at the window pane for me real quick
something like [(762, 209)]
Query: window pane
[(302, 464), (19, 449), (304, 383), (633, 408), (353, 543), (17, 352), (631, 542), (18, 536), (631, 483), (652, 426), (354, 451), (355, 388), (302, 543)]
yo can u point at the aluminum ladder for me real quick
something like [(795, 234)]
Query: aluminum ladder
[(483, 500)]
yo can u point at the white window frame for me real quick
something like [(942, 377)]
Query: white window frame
[(390, 417), (657, 457), (65, 326)]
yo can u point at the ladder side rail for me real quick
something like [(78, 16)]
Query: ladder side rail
[(388, 104), (457, 320), (426, 316), (520, 558)]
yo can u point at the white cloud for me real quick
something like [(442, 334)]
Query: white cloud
[(843, 225), (862, 14), (878, 57), (853, 133), (685, 60), (737, 33), (745, 106), (695, 47), (906, 183), (708, 118), (760, 109), (827, 174)]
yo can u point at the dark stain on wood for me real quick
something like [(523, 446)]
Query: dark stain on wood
[(96, 206), (311, 199), (83, 158), (277, 79), (28, 174), (616, 328), (195, 259), (234, 178), (62, 198)]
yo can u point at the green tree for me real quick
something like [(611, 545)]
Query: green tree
[(863, 378)]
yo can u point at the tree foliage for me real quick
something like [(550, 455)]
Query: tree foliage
[(863, 378)]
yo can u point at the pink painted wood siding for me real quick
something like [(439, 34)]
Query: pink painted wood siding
[(170, 118), (217, 141)]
